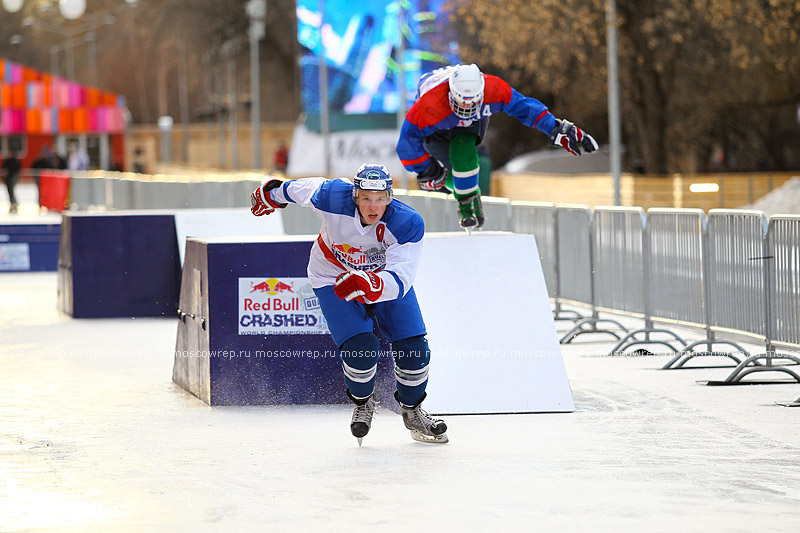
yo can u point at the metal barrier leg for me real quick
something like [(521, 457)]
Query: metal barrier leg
[(735, 378), (566, 314), (580, 330), (688, 353), (631, 340), (795, 403)]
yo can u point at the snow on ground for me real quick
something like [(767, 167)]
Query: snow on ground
[(95, 437), (785, 200)]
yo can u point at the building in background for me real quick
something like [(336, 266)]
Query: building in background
[(38, 109)]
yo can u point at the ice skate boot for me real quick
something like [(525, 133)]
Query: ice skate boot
[(423, 427), (466, 212), (477, 207), (362, 416)]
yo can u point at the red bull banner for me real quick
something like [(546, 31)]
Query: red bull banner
[(279, 306)]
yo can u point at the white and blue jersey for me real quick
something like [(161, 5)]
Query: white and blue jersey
[(391, 247)]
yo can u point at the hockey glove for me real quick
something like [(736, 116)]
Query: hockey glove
[(572, 138), (365, 287), (433, 177), (261, 202)]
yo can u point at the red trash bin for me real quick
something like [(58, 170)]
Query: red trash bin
[(54, 190)]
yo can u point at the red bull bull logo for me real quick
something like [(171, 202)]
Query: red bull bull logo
[(271, 286), (350, 255), (347, 249)]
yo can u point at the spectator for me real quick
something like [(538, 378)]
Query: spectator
[(78, 159), (281, 157), (10, 173)]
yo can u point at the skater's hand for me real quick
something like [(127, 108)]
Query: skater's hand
[(260, 201), (433, 177), (572, 138), (358, 285)]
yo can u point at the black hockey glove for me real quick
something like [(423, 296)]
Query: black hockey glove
[(572, 138), (433, 177)]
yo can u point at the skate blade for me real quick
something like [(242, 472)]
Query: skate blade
[(422, 437), (359, 441), (468, 230)]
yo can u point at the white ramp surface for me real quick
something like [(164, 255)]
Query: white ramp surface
[(490, 327), (206, 223)]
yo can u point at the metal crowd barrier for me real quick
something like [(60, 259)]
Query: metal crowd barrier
[(734, 274), (729, 275), (782, 283), (499, 214), (675, 282), (539, 219), (617, 248), (574, 257)]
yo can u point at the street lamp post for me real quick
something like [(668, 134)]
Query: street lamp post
[(72, 9), (257, 11), (614, 120)]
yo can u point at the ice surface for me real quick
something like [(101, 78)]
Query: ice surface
[(95, 437)]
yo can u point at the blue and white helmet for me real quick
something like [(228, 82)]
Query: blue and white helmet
[(372, 177)]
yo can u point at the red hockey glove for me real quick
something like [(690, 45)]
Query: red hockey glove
[(260, 201), (572, 138), (358, 285)]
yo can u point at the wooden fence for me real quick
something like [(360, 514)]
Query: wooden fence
[(724, 190)]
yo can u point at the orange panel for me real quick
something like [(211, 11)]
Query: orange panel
[(81, 119), (47, 94), (18, 96), (92, 98), (65, 123), (34, 121), (27, 75)]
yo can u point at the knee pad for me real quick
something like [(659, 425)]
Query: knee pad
[(360, 351), (464, 152), (411, 353)]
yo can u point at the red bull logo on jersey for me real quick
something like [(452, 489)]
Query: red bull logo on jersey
[(271, 286), (358, 258), (279, 306)]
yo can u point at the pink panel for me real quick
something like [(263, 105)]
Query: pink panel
[(47, 121), (102, 119), (74, 95), (16, 73), (6, 120), (93, 122), (116, 124)]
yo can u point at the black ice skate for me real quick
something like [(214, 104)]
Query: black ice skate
[(362, 416), (477, 206), (470, 212), (423, 427)]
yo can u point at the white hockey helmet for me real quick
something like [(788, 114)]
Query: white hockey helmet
[(466, 91)]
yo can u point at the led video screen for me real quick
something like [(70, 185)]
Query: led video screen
[(360, 43)]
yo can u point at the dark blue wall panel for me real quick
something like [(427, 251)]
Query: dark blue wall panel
[(123, 265), (42, 242), (238, 377)]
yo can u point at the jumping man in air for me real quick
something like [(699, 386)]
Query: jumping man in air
[(439, 137)]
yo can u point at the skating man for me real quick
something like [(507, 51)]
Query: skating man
[(362, 267), (439, 137)]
